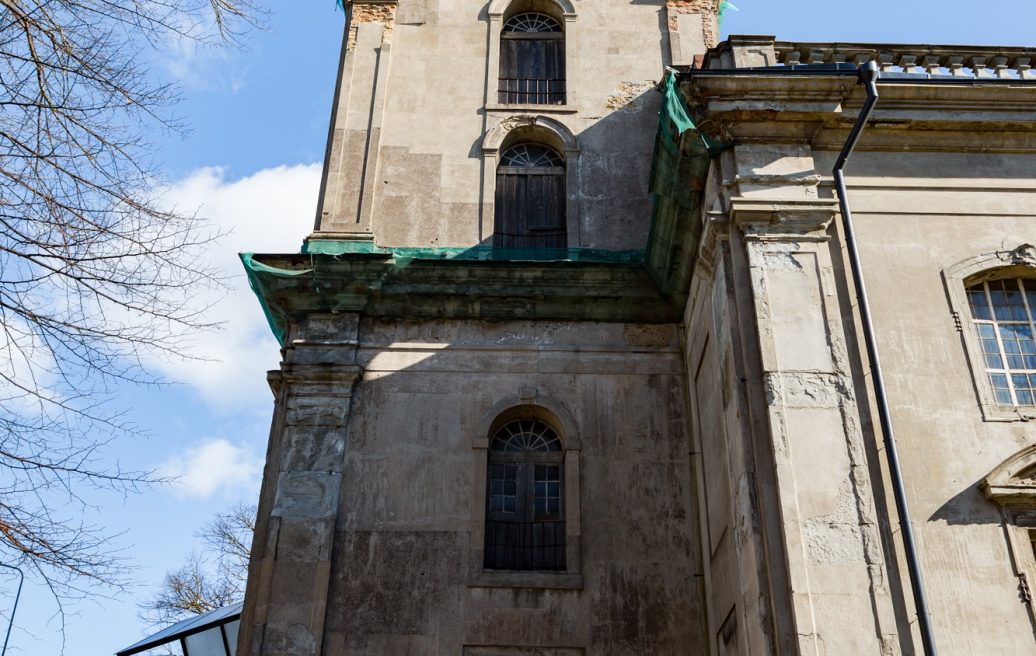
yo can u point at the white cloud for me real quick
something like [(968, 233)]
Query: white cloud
[(200, 62), (213, 466), (270, 211), (28, 369)]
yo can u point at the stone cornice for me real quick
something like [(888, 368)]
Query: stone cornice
[(381, 286), (739, 106), (338, 379), (786, 219)]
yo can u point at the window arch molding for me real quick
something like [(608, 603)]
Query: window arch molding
[(545, 409), (507, 8), (539, 130), (554, 414), (1012, 487), (530, 127), (499, 11), (1019, 262), (1012, 483)]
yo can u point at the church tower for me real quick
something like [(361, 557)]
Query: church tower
[(480, 441), (578, 357), (450, 117)]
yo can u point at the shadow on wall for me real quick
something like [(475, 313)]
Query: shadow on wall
[(969, 506), (663, 29), (406, 528), (609, 204)]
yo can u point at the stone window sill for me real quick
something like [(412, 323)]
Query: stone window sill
[(991, 412), (532, 109), (503, 579)]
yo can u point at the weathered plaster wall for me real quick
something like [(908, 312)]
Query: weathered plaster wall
[(794, 560), (740, 609), (772, 307), (941, 180), (917, 215), (417, 99), (403, 572)]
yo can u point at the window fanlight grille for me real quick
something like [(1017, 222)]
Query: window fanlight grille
[(525, 435), (532, 22), (530, 155)]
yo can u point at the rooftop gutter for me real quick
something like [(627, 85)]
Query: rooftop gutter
[(868, 75), (848, 70)]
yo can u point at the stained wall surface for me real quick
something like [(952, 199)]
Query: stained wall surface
[(418, 126), (371, 522), (406, 567), (795, 482), (799, 529), (913, 229)]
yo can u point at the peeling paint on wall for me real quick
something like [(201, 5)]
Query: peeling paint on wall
[(370, 13), (627, 93), (709, 11)]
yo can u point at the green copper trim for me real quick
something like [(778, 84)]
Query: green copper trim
[(278, 320), (350, 247), (679, 168)]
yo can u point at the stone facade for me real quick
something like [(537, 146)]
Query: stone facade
[(699, 355), (942, 189), (417, 127), (371, 532)]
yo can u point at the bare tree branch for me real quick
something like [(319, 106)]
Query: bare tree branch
[(97, 278), (208, 580)]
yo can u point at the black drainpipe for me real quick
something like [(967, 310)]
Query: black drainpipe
[(869, 76)]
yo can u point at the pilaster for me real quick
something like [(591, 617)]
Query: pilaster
[(347, 187), (290, 568), (693, 28), (835, 565)]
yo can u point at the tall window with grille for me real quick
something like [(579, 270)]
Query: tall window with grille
[(1003, 312), (525, 508), (532, 60), (530, 199)]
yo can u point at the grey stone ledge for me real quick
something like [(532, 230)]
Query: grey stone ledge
[(547, 580)]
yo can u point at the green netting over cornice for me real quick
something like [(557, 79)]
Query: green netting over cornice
[(347, 247), (674, 120), (277, 320), (321, 252), (292, 287), (678, 172)]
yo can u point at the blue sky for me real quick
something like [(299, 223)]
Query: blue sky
[(258, 121)]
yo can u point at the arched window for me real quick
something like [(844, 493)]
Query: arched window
[(525, 509), (992, 297), (530, 198), (532, 60), (1003, 314)]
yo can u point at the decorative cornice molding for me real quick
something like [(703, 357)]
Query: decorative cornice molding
[(782, 106), (783, 219), (1012, 484), (331, 375), (380, 285)]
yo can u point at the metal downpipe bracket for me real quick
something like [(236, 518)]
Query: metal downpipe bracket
[(869, 75)]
